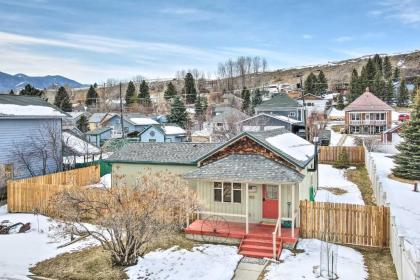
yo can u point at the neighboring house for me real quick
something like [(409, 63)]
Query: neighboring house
[(254, 178), (162, 133), (281, 104), (30, 136), (392, 135), (73, 118), (95, 120), (99, 135), (225, 118), (76, 148), (263, 122), (314, 103), (368, 115), (131, 123)]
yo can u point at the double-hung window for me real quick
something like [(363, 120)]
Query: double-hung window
[(227, 192)]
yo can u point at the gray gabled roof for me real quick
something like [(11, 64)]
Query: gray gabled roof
[(18, 106), (246, 168), (164, 152), (99, 131), (280, 100)]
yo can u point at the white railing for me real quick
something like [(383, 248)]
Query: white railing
[(276, 229), (405, 255), (367, 122)]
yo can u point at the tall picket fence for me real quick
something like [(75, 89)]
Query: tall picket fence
[(330, 154), (343, 223), (405, 255), (34, 194)]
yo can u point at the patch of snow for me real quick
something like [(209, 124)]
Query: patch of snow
[(104, 182), (29, 110), (191, 111), (173, 130), (203, 262), (20, 251), (335, 136), (400, 63), (350, 263), (403, 201), (79, 145), (330, 177), (143, 121), (336, 114), (349, 141), (292, 145)]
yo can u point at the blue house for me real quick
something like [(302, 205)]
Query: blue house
[(164, 133), (30, 136), (131, 123), (281, 105), (99, 135)]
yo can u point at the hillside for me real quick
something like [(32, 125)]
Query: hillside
[(18, 81)]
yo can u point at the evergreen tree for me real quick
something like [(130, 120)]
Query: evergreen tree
[(379, 85), (407, 161), (403, 96), (130, 93), (198, 107), (377, 61), (355, 89), (144, 95), (170, 91), (189, 89), (396, 75), (256, 98), (389, 91), (178, 113), (387, 68), (83, 124), (416, 89), (11, 92), (310, 84), (30, 90), (246, 102), (91, 96), (322, 84), (340, 102), (205, 105), (369, 74), (62, 100), (95, 85)]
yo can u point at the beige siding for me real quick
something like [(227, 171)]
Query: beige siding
[(127, 174)]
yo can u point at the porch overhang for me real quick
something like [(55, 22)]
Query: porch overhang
[(246, 168)]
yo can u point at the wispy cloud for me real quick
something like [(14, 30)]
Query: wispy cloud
[(406, 11), (343, 39), (307, 36)]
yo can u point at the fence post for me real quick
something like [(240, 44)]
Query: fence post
[(401, 245)]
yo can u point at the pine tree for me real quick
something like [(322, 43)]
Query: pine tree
[(205, 105), (83, 124), (389, 91), (170, 91), (416, 89), (379, 85), (369, 75), (397, 74), (310, 84), (178, 113), (130, 93), (256, 98), (403, 96), (387, 68), (340, 102), (91, 96), (377, 61), (30, 90), (62, 100), (322, 84), (407, 161), (11, 92), (95, 85), (189, 89), (198, 107), (246, 102), (144, 95), (355, 89)]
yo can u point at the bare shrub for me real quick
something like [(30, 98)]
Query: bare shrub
[(126, 220)]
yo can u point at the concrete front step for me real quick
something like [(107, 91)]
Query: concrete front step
[(256, 248), (255, 254)]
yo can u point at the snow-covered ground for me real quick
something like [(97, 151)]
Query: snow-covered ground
[(404, 203), (350, 263), (336, 114), (335, 136), (349, 141), (203, 262), (19, 251), (330, 177)]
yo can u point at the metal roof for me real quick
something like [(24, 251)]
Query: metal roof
[(368, 102)]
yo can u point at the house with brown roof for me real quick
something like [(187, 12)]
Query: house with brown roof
[(368, 115)]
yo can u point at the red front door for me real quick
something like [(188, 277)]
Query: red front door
[(270, 202)]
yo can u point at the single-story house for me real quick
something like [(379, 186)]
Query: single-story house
[(131, 122), (281, 104), (252, 182), (314, 103), (263, 122), (95, 120), (225, 118), (30, 128), (99, 135), (162, 133), (76, 148)]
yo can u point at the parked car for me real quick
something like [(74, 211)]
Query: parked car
[(404, 117)]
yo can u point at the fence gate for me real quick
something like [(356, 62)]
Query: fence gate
[(345, 223)]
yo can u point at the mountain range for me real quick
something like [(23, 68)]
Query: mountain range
[(18, 81)]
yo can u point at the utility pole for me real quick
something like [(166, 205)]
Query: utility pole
[(121, 115), (304, 106)]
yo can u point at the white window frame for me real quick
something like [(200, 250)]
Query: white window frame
[(221, 186)]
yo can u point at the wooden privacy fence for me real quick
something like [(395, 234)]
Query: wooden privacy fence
[(330, 154), (28, 195), (345, 223)]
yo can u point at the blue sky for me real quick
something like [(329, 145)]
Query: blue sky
[(94, 40)]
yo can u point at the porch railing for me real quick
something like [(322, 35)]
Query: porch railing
[(275, 232)]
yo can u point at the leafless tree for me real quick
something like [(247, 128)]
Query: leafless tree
[(126, 220), (256, 64), (264, 65), (230, 68)]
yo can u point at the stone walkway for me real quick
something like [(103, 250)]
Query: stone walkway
[(249, 268)]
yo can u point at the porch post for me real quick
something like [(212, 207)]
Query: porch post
[(246, 209), (279, 196), (293, 209)]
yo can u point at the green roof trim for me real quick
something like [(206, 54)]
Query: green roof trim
[(281, 100)]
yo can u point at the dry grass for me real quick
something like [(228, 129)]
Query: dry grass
[(337, 128), (378, 262), (336, 191), (360, 177), (95, 263), (402, 180)]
